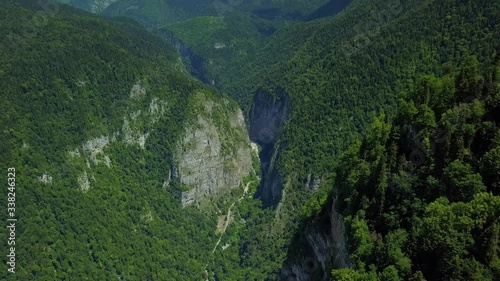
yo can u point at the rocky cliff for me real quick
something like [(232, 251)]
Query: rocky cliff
[(214, 153), (267, 119), (321, 247)]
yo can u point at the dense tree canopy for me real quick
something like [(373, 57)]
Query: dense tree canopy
[(420, 204)]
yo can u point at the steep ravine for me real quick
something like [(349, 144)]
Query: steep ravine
[(197, 62), (321, 245), (267, 118)]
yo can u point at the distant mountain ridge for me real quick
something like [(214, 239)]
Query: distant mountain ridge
[(157, 13)]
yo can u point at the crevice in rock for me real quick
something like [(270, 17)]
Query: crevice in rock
[(267, 118), (319, 246), (197, 62)]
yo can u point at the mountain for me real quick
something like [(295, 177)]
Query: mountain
[(361, 144), (235, 52), (354, 66), (157, 13), (106, 132), (313, 88)]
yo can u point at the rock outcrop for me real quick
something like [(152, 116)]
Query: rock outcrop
[(214, 153), (136, 128), (322, 247)]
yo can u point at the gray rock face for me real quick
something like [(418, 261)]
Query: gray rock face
[(215, 153), (271, 186), (312, 182), (268, 116), (322, 248), (339, 240), (267, 119)]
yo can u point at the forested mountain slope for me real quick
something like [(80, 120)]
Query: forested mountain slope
[(356, 65), (336, 73), (120, 148), (234, 53), (106, 130), (421, 194)]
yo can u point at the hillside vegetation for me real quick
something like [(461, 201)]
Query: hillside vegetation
[(340, 73), (92, 111), (421, 194), (390, 109)]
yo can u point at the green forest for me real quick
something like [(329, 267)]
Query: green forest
[(420, 194), (392, 126), (67, 82)]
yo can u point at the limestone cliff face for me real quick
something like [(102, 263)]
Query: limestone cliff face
[(267, 119), (214, 153)]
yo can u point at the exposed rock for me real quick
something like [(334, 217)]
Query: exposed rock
[(221, 221), (83, 182), (100, 5), (135, 115), (322, 247), (313, 183), (95, 147), (147, 217), (133, 137), (165, 185), (156, 109), (137, 91), (213, 155), (339, 240), (74, 153), (271, 186), (255, 147), (219, 45), (94, 6), (107, 161), (197, 62), (267, 119), (45, 178), (268, 116)]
